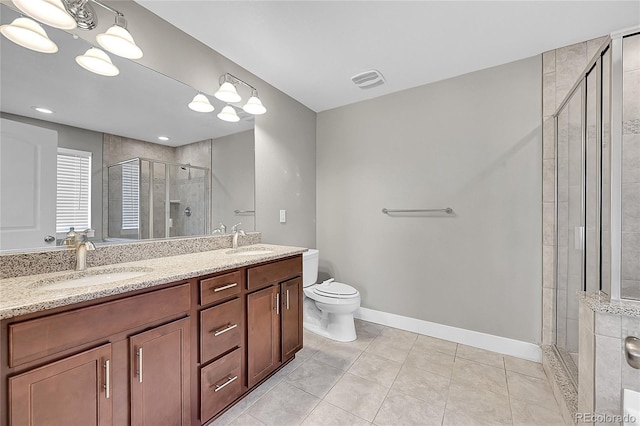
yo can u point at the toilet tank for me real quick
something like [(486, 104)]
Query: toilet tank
[(310, 267)]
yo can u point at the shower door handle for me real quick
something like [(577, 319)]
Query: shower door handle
[(578, 237)]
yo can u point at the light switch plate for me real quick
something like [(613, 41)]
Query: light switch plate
[(283, 216)]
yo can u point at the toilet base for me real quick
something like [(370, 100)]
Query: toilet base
[(335, 326)]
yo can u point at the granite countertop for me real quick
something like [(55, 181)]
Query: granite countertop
[(601, 303), (28, 294)]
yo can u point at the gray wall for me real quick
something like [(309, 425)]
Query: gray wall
[(83, 140), (472, 143), (285, 135)]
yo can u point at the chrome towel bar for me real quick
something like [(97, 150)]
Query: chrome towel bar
[(244, 211), (448, 210)]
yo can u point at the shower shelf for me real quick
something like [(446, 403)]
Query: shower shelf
[(174, 201)]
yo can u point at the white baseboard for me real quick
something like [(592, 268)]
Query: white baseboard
[(503, 345)]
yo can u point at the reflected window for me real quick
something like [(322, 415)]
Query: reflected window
[(130, 195), (73, 198)]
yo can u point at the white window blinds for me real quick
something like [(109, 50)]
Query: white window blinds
[(130, 195), (73, 205)]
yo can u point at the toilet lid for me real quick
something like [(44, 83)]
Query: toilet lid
[(335, 289)]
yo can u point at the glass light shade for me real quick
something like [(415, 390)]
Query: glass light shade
[(50, 12), (28, 33), (200, 103), (228, 114), (118, 41), (96, 61), (227, 93), (254, 106)]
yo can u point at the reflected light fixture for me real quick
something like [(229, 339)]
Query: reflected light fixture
[(118, 40), (50, 12), (42, 110), (228, 113), (96, 61), (200, 103), (28, 33), (229, 94), (163, 138), (254, 105)]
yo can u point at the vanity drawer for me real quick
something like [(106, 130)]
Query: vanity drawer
[(220, 329), (37, 338), (261, 276), (220, 384), (220, 287)]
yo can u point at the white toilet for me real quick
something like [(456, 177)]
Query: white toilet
[(328, 306)]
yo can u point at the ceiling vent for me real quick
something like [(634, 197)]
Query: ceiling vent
[(368, 79)]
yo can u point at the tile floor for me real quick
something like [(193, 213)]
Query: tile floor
[(394, 377)]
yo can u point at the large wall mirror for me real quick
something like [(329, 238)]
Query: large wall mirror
[(97, 161)]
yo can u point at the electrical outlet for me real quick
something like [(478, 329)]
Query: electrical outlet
[(283, 216)]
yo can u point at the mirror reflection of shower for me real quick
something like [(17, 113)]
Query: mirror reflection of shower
[(156, 199)]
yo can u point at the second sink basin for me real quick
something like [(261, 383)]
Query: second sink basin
[(91, 278)]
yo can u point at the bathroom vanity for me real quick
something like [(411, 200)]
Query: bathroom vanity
[(179, 343)]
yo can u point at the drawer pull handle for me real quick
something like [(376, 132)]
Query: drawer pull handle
[(139, 354), (224, 329), (224, 287), (107, 379), (227, 382)]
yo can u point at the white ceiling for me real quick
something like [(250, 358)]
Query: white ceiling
[(311, 49)]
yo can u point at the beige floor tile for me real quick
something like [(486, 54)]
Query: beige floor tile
[(377, 369), (493, 359), (530, 389), (246, 420), (401, 409), (479, 375), (314, 377), (337, 355), (422, 384), (357, 396), (528, 414), (283, 405), (368, 327), (468, 405), (363, 340), (326, 414), (523, 366), (402, 338), (388, 348), (433, 361), (429, 344)]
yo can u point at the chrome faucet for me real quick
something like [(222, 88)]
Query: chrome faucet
[(221, 229), (235, 230), (80, 245)]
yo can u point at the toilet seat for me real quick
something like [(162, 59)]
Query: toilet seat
[(336, 290)]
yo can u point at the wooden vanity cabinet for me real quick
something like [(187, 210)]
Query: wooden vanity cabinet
[(180, 354)]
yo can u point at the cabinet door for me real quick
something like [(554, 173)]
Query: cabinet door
[(291, 296), (73, 391), (160, 392), (263, 333)]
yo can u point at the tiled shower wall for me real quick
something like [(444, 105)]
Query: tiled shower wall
[(631, 168), (560, 70)]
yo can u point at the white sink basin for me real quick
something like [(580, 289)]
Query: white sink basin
[(250, 251), (90, 279)]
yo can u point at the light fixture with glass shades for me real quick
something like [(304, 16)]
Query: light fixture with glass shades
[(118, 40), (200, 103), (96, 61), (229, 94), (228, 113), (50, 12), (28, 33), (68, 15)]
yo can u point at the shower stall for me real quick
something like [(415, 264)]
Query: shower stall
[(157, 199), (597, 133)]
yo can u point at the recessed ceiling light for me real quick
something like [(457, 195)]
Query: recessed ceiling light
[(163, 138), (42, 110)]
